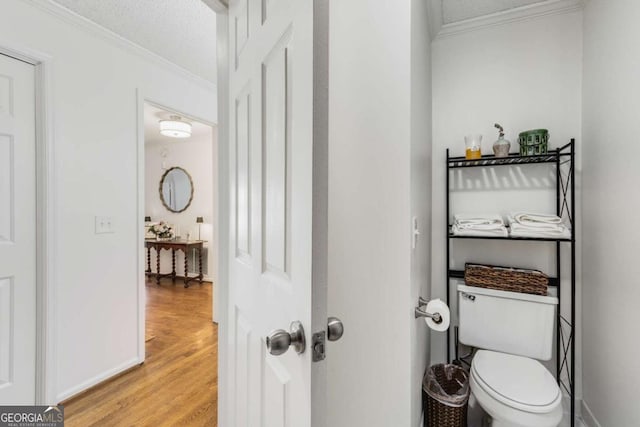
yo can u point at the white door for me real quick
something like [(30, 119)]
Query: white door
[(17, 232), (277, 211)]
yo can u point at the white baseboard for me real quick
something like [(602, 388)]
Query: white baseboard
[(566, 411), (587, 416), (97, 379)]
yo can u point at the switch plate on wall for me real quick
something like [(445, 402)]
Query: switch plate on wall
[(105, 224)]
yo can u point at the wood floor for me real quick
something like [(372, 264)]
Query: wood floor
[(177, 384)]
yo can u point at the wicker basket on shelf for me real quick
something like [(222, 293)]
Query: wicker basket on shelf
[(506, 279)]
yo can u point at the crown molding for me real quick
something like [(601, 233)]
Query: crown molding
[(524, 13), (218, 6), (92, 27)]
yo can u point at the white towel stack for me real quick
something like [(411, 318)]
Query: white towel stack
[(526, 224), (479, 225)]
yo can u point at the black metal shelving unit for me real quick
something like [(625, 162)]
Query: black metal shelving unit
[(563, 160)]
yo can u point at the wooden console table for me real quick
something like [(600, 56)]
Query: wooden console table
[(174, 245)]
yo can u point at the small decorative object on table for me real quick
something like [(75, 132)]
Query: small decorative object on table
[(199, 221), (533, 142), (501, 146), (162, 231), (473, 146)]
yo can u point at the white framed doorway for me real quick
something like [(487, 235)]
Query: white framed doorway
[(44, 386), (141, 264)]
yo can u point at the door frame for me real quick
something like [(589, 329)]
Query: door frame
[(45, 218), (141, 100), (222, 63)]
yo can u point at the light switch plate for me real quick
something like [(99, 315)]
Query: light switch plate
[(105, 224)]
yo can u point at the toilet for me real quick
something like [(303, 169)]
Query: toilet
[(512, 332)]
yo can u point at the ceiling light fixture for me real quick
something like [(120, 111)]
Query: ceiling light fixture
[(175, 127)]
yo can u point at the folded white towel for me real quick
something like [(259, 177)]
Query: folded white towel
[(480, 225), (475, 219), (548, 227), (531, 222), (561, 233), (517, 229), (535, 219), (493, 232)]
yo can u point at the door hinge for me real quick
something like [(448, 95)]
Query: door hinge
[(318, 346)]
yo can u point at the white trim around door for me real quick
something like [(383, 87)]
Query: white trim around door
[(222, 218), (141, 100), (45, 233)]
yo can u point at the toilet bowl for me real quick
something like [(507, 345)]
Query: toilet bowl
[(515, 391)]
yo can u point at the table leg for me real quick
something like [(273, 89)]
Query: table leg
[(148, 260), (186, 270), (157, 266), (200, 264), (173, 265)]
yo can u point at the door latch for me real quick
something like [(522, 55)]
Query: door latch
[(317, 346), (335, 330)]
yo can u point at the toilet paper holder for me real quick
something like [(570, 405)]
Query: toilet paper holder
[(419, 312)]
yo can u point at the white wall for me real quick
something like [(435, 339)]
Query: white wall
[(95, 148), (523, 75), (421, 207), (376, 123), (610, 128), (195, 155)]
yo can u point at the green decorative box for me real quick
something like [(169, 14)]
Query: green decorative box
[(533, 142)]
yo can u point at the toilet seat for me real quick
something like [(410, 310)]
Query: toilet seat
[(515, 381)]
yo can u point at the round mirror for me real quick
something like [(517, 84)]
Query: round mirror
[(176, 189)]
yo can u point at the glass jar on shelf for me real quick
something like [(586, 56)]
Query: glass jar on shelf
[(473, 149)]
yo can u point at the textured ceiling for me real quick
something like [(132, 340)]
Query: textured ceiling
[(459, 10), (152, 117), (182, 31)]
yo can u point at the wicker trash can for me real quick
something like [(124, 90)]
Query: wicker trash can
[(445, 395)]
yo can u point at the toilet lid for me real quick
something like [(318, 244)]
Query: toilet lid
[(516, 381)]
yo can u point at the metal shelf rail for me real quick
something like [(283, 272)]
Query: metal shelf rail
[(563, 160)]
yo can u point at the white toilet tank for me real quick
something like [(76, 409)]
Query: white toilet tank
[(509, 322)]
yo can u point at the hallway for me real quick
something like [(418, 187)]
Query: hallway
[(177, 384)]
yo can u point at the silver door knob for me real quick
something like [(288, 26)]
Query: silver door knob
[(335, 329), (279, 341)]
